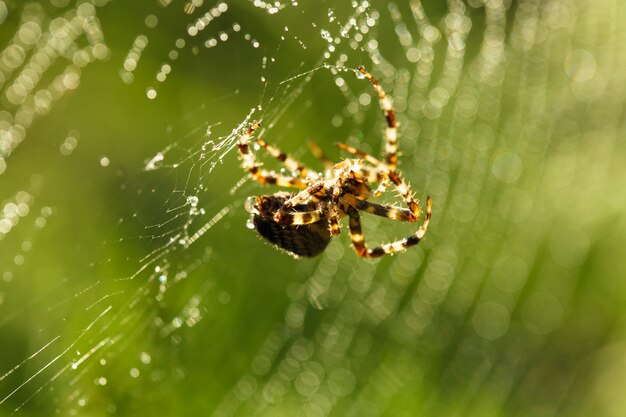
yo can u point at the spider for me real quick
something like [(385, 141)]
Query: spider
[(302, 223)]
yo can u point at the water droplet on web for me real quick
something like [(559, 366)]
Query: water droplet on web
[(145, 358), (250, 224), (151, 93), (151, 21), (192, 200), (249, 204), (104, 161), (326, 35)]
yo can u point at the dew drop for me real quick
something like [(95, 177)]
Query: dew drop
[(104, 161), (192, 200)]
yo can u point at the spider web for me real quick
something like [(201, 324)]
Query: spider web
[(130, 284)]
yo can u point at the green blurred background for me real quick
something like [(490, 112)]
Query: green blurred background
[(130, 284)]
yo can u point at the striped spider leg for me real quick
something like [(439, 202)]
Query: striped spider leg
[(356, 234), (266, 177), (391, 212), (391, 132), (263, 176)]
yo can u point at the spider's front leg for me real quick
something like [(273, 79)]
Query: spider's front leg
[(283, 214), (292, 164), (391, 133), (320, 155), (251, 164), (299, 218)]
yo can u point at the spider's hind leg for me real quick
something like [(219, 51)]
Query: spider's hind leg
[(390, 212), (388, 175), (377, 174), (356, 234)]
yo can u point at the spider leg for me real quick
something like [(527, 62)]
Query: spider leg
[(393, 176), (297, 218), (334, 226), (283, 216), (306, 195), (319, 154), (364, 155), (372, 175), (391, 133), (356, 234), (292, 164), (377, 175), (251, 165), (390, 212)]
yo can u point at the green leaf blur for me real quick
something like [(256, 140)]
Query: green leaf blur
[(130, 284)]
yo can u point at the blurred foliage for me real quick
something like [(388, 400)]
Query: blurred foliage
[(511, 118)]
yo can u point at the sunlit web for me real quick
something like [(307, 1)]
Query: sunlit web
[(509, 118)]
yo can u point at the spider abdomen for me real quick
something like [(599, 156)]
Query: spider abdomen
[(304, 240), (301, 240)]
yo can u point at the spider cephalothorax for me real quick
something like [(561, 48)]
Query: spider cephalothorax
[(302, 223)]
